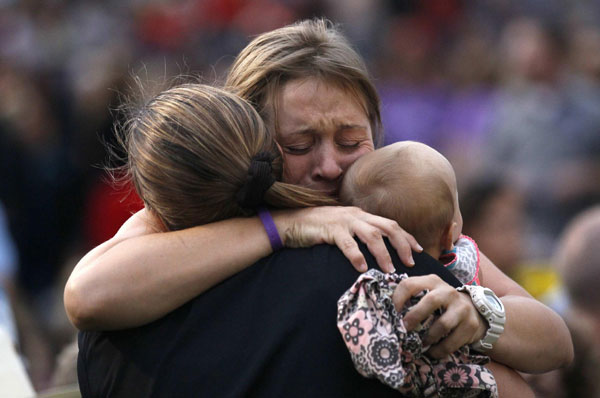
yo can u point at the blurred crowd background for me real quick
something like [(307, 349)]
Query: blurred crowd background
[(508, 90)]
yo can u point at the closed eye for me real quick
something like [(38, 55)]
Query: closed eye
[(349, 145), (297, 150)]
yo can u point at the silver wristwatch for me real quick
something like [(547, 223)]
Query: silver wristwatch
[(492, 310)]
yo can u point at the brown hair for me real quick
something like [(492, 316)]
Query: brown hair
[(405, 183), (189, 151), (311, 48)]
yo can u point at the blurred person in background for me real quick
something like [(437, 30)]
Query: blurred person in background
[(545, 136), (8, 265), (493, 215), (36, 190), (17, 321), (411, 91), (470, 69), (576, 260), (579, 267)]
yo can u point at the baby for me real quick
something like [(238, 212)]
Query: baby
[(415, 185)]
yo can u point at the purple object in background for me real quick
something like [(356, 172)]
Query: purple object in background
[(434, 115), (411, 113)]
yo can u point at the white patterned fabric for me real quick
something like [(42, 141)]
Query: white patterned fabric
[(463, 260)]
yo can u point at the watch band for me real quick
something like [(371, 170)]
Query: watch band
[(495, 317), (491, 336)]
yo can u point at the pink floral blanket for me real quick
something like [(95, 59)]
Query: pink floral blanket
[(382, 348)]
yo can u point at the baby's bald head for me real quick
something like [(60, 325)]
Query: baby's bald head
[(409, 182)]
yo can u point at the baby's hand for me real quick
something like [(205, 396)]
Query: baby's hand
[(338, 225)]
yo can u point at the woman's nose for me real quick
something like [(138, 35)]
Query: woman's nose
[(328, 166)]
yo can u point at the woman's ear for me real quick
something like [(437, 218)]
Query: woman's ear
[(447, 239)]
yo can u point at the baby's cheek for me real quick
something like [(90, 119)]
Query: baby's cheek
[(353, 157)]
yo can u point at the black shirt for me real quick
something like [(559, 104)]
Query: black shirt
[(269, 331)]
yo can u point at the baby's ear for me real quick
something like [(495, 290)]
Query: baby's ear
[(447, 239)]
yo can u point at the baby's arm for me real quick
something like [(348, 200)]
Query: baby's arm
[(141, 274)]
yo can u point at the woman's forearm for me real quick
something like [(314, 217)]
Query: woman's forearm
[(510, 383), (132, 280), (535, 338), (141, 274)]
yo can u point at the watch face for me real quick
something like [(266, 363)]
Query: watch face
[(494, 302)]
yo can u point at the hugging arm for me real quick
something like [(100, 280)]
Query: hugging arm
[(535, 338), (142, 273)]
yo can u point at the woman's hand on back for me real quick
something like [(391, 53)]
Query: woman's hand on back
[(337, 225)]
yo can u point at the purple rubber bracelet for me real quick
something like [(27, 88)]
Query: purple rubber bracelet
[(270, 227)]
